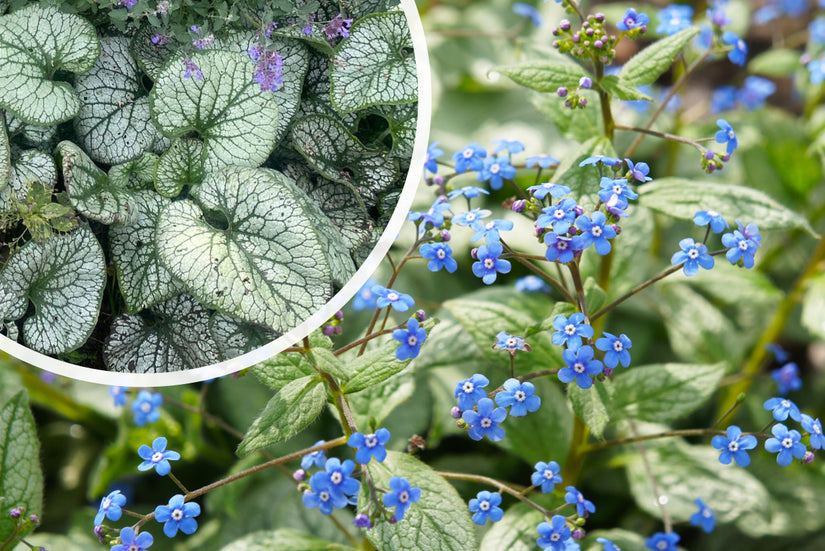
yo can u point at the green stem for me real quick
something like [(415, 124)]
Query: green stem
[(604, 100), (662, 135), (644, 437)]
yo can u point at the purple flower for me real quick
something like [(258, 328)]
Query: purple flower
[(519, 397), (569, 331), (157, 457), (192, 69), (489, 264), (128, 4), (178, 515), (692, 256), (580, 366), (338, 27), (734, 446), (469, 391), (307, 30), (786, 443), (269, 66), (485, 420)]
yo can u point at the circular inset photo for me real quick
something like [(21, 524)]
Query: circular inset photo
[(185, 190)]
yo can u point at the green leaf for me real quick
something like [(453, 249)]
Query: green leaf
[(646, 66), (5, 157), (137, 174), (338, 155), (775, 62), (181, 165), (681, 199), (90, 190), (278, 370), (375, 64), (664, 392), (594, 406), (283, 539), (438, 522), (619, 89), (289, 412), (63, 277), (142, 279), (21, 480), (27, 167), (575, 124), (403, 124), (515, 532), (35, 43), (113, 125), (150, 57), (583, 181), (174, 336), (235, 338), (594, 296), (813, 307), (41, 137), (237, 121), (263, 261), (371, 406), (543, 76)]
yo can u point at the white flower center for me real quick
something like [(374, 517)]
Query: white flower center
[(707, 513), (733, 446), (489, 263), (596, 231), (520, 396), (392, 297), (743, 245), (787, 442), (817, 429), (366, 293), (490, 226), (441, 254), (467, 153), (578, 367), (785, 404), (484, 505), (740, 45), (403, 496), (412, 340), (693, 254), (570, 329), (559, 214), (145, 407), (323, 496), (106, 503), (495, 168), (370, 441), (486, 423), (177, 514), (336, 477), (731, 135), (618, 346), (468, 387), (555, 536), (661, 545), (561, 245), (157, 456), (548, 474), (617, 189), (713, 213), (134, 547), (470, 216), (511, 342)]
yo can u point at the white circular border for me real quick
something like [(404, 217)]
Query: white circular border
[(336, 303)]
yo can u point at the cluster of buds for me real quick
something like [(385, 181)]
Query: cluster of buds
[(23, 523), (590, 42), (574, 97), (333, 324), (712, 161)]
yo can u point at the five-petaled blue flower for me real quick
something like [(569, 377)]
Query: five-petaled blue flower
[(178, 516), (559, 248), (469, 391), (490, 231), (755, 91), (692, 256), (389, 297), (727, 135), (531, 284), (433, 217), (814, 428), (471, 217), (661, 541), (470, 192), (401, 496), (410, 339), (580, 366), (543, 160), (510, 343), (519, 397), (110, 507), (584, 507), (632, 20), (594, 232), (540, 191), (489, 264), (145, 407), (129, 541), (496, 171), (553, 534), (704, 517), (339, 476), (569, 331), (317, 459), (786, 443), (616, 348), (674, 18), (433, 153), (511, 146), (157, 457), (733, 446), (751, 232), (440, 255), (717, 222), (782, 408), (787, 378), (470, 158), (546, 475), (739, 248), (118, 394), (486, 506), (369, 445), (560, 216), (739, 53), (638, 171), (485, 421), (615, 192), (365, 298), (603, 159), (320, 495)]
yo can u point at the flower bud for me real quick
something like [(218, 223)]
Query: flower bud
[(392, 520), (34, 520), (299, 476), (362, 521), (589, 32), (519, 205), (600, 17), (455, 413), (576, 38), (726, 157), (421, 315), (474, 253), (809, 458), (445, 235), (585, 82), (583, 102), (438, 180), (564, 25), (709, 155), (607, 372), (339, 315), (15, 513), (328, 330), (562, 91), (578, 534), (598, 44)]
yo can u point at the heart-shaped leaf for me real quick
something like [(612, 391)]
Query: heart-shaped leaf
[(265, 265), (235, 338), (375, 64), (63, 277), (180, 166), (113, 124), (36, 42), (173, 336)]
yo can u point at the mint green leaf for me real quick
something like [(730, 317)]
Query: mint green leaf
[(289, 412), (235, 338), (27, 167), (181, 165), (439, 521), (575, 124), (315, 96), (113, 125), (237, 121), (583, 181), (137, 174), (142, 279), (646, 66), (775, 63), (175, 336), (283, 539), (515, 532), (543, 76), (279, 370), (681, 198), (371, 406), (375, 64), (35, 43), (21, 480), (403, 124), (268, 266), (594, 406), (338, 155), (664, 392), (813, 307), (63, 277), (41, 137), (619, 89), (90, 190), (594, 296), (150, 57)]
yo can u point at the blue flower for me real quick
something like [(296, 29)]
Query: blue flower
[(365, 298), (755, 91), (540, 191), (511, 146), (192, 69), (632, 20), (519, 397), (559, 248), (726, 135), (786, 443), (661, 541), (616, 348), (317, 459), (469, 391), (778, 352), (616, 192), (489, 264), (400, 302), (531, 284), (145, 407), (434, 215), (268, 69), (157, 457), (178, 516), (543, 160), (433, 153), (546, 475), (129, 541), (739, 248), (704, 517), (370, 445), (570, 330), (339, 475), (594, 232), (608, 545), (817, 70), (782, 408), (410, 340), (401, 496), (553, 534), (321, 496), (816, 31), (580, 366), (692, 256), (510, 343), (118, 394), (639, 171), (471, 217), (469, 192), (484, 421), (717, 222), (491, 231), (603, 159), (470, 158), (496, 170), (110, 507), (486, 506), (723, 98), (440, 255), (739, 53), (733, 446), (526, 10), (814, 428), (750, 232), (560, 216), (673, 19)]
